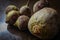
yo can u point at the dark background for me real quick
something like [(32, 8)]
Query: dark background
[(10, 33)]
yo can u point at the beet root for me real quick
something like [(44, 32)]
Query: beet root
[(22, 22), (12, 16), (43, 23)]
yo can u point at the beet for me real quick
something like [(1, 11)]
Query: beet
[(43, 23), (39, 5), (12, 16), (22, 22), (11, 7), (25, 10)]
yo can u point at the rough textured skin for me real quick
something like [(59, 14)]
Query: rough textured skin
[(11, 7), (39, 5), (12, 16), (25, 10), (22, 22), (43, 23)]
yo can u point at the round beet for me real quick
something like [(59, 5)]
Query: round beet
[(25, 10), (12, 16), (11, 7), (43, 23), (22, 22), (39, 5)]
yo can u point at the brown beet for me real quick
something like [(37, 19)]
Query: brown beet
[(22, 22), (12, 16), (43, 23), (39, 5), (11, 7), (25, 10)]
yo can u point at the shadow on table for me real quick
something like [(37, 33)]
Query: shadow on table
[(24, 35)]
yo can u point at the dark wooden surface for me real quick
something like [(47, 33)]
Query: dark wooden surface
[(8, 32)]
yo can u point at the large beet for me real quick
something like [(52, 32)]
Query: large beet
[(43, 23)]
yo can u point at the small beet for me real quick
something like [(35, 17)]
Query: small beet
[(39, 5), (12, 16), (25, 10), (22, 22), (11, 7), (43, 23)]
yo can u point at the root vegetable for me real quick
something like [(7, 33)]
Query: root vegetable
[(43, 23)]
